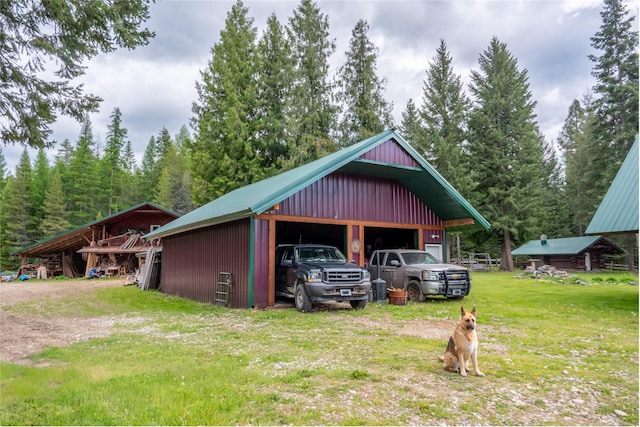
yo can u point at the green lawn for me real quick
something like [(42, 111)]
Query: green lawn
[(553, 354)]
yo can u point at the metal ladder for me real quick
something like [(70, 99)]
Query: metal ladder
[(223, 289)]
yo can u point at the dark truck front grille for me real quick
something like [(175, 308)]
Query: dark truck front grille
[(342, 276), (455, 282), (454, 276)]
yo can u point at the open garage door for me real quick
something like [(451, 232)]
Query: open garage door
[(389, 238), (306, 232)]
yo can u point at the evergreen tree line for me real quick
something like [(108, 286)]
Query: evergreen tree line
[(270, 102)]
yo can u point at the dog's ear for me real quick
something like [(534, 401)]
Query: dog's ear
[(462, 312), (474, 310)]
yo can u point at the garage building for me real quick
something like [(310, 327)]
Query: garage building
[(379, 193)]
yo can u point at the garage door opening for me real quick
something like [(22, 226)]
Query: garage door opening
[(389, 238), (304, 232)]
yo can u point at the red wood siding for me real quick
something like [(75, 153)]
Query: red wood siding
[(141, 221), (191, 262), (355, 197), (390, 152)]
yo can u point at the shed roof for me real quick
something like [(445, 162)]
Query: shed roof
[(563, 246), (618, 211), (424, 181), (81, 235)]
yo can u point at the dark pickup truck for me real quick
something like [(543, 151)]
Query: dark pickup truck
[(420, 274), (318, 273)]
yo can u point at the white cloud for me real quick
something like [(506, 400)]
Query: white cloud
[(154, 86)]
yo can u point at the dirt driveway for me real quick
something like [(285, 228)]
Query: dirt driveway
[(22, 335)]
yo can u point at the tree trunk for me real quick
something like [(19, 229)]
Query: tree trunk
[(506, 260), (631, 245)]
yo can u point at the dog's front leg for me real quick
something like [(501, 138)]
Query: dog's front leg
[(463, 364), (474, 360)]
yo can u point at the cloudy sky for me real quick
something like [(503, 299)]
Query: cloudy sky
[(154, 86)]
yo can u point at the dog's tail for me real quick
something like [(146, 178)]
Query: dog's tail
[(441, 358)]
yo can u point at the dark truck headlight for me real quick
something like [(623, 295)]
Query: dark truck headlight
[(314, 276)]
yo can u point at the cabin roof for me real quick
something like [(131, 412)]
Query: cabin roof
[(563, 246)]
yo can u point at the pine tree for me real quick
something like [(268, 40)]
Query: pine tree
[(112, 162), (7, 245), (39, 185), (3, 172), (365, 112), (81, 184), (173, 189), (164, 143), (445, 109), (149, 173), (224, 153), (63, 158), (36, 35), (412, 128), (183, 139), (505, 149), (131, 192), (556, 201), (274, 96), (55, 213), (314, 115), (578, 145), (616, 73), (16, 213)]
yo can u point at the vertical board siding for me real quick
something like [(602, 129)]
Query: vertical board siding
[(191, 262), (390, 152), (356, 197)]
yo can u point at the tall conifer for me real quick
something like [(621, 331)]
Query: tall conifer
[(16, 212), (506, 150), (225, 155), (55, 213), (365, 111), (314, 113), (445, 109), (616, 88), (274, 97), (82, 185), (113, 163)]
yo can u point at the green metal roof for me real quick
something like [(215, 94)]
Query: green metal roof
[(256, 198), (618, 211), (564, 246)]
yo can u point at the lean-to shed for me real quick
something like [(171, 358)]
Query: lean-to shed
[(114, 238), (379, 193)]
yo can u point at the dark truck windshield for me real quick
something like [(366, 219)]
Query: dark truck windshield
[(418, 258), (320, 255)]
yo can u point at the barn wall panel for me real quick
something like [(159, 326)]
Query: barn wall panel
[(191, 262), (390, 152), (356, 197)]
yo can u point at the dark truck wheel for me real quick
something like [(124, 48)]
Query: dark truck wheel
[(358, 305), (414, 293), (301, 299)]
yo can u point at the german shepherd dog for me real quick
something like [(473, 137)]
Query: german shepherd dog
[(463, 345)]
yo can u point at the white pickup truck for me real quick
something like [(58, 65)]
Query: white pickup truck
[(419, 273)]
